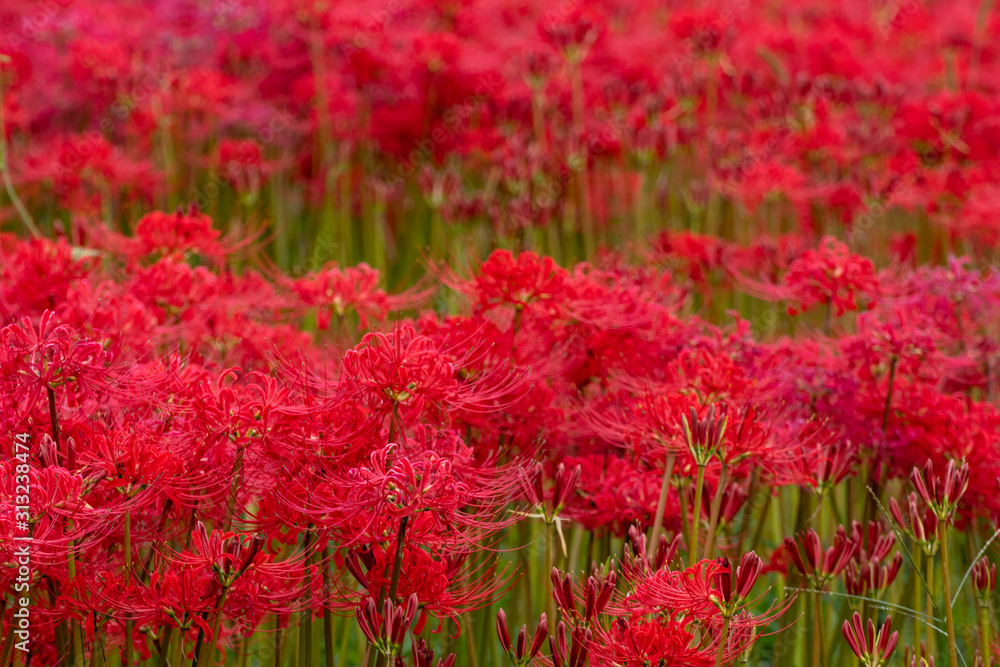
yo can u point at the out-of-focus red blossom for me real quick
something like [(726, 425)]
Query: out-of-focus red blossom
[(831, 275)]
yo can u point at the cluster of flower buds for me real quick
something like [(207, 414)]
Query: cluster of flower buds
[(912, 658), (984, 577), (666, 550), (424, 657), (820, 567), (519, 653), (922, 524), (565, 485), (746, 576), (941, 494), (873, 650), (388, 630), (596, 594), (867, 570), (704, 436), (562, 655)]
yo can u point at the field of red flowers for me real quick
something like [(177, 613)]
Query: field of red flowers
[(421, 333)]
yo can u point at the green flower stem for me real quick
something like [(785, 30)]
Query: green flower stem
[(946, 574), (696, 516), (661, 505)]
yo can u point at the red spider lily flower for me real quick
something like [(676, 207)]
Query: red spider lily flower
[(526, 283), (50, 355), (228, 557), (40, 274), (411, 374), (872, 649), (334, 291), (177, 236), (698, 592), (830, 275), (667, 639), (445, 493)]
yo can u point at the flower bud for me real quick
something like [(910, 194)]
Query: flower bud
[(502, 632), (540, 633), (984, 576)]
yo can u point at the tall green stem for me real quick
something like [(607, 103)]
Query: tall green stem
[(550, 601), (713, 520), (696, 516), (394, 582), (929, 561), (128, 578), (946, 580), (723, 641), (327, 612), (820, 630), (984, 633), (305, 622), (661, 506)]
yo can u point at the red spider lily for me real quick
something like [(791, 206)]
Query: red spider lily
[(836, 158), (699, 592), (51, 355), (528, 282), (410, 372), (334, 291), (647, 640), (829, 275), (176, 235)]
